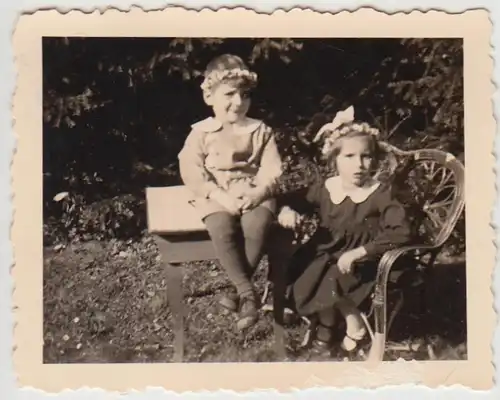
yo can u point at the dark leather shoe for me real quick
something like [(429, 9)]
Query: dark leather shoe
[(248, 313)]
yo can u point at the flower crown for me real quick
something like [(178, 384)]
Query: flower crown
[(217, 76), (342, 124)]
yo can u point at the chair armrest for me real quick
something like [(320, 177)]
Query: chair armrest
[(389, 257), (388, 260)]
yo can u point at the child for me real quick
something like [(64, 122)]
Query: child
[(359, 221), (230, 162)]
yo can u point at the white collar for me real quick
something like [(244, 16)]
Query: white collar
[(338, 193), (210, 124)]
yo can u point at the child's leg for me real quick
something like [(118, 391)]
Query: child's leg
[(225, 234), (255, 225), (326, 323), (326, 317), (355, 328)]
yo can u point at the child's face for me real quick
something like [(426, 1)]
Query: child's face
[(355, 160), (230, 102)]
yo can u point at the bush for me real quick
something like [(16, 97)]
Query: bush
[(117, 110), (120, 217)]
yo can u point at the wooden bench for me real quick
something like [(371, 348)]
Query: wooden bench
[(181, 237)]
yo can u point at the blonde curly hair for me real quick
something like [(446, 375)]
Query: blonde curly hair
[(351, 129), (344, 126)]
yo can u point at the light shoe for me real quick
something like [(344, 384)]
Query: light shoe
[(351, 340)]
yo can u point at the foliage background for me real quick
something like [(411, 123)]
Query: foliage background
[(117, 111)]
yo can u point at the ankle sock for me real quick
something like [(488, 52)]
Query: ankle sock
[(355, 327)]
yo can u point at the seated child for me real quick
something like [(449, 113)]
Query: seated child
[(359, 221), (230, 162)]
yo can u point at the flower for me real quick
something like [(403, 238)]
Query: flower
[(218, 76), (333, 135), (341, 118), (342, 124)]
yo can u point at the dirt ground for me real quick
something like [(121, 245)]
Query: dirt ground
[(105, 302)]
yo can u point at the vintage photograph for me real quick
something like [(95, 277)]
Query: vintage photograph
[(180, 173), (264, 200)]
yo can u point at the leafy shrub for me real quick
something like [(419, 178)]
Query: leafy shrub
[(119, 217), (117, 110)]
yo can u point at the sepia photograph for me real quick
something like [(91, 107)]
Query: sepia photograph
[(199, 192), (256, 201)]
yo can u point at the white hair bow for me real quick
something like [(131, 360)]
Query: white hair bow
[(342, 117)]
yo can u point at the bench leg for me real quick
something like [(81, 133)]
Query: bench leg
[(279, 254), (377, 349), (279, 292), (174, 273)]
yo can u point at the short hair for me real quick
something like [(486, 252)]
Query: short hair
[(228, 68), (225, 62)]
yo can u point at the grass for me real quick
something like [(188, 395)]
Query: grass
[(105, 302)]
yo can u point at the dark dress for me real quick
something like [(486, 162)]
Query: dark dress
[(377, 223)]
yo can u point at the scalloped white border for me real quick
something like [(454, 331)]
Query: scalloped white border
[(7, 146)]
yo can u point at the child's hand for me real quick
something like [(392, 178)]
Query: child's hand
[(239, 192), (347, 259), (227, 201), (252, 198), (288, 218)]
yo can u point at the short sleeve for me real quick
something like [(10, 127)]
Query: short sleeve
[(192, 165), (394, 226)]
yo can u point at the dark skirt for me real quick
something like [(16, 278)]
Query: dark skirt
[(317, 283)]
